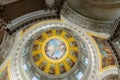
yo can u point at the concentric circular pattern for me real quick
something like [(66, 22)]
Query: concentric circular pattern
[(55, 52)]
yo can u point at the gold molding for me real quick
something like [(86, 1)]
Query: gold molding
[(97, 35)]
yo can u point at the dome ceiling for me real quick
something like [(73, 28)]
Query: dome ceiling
[(49, 45), (55, 52)]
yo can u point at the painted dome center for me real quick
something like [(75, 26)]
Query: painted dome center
[(55, 49)]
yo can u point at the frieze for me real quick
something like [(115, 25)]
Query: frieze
[(94, 25)]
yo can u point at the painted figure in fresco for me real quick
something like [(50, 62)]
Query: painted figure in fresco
[(55, 49), (74, 53), (43, 65), (36, 57), (52, 70), (36, 47), (71, 63), (107, 58), (62, 69), (110, 57)]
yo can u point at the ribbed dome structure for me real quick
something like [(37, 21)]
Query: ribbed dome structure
[(59, 40), (54, 52)]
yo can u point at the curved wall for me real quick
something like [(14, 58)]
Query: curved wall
[(97, 11)]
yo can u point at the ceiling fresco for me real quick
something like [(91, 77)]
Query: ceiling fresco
[(55, 48)]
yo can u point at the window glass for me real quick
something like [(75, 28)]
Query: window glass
[(79, 75), (35, 78), (25, 51), (118, 44), (27, 66), (85, 61)]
